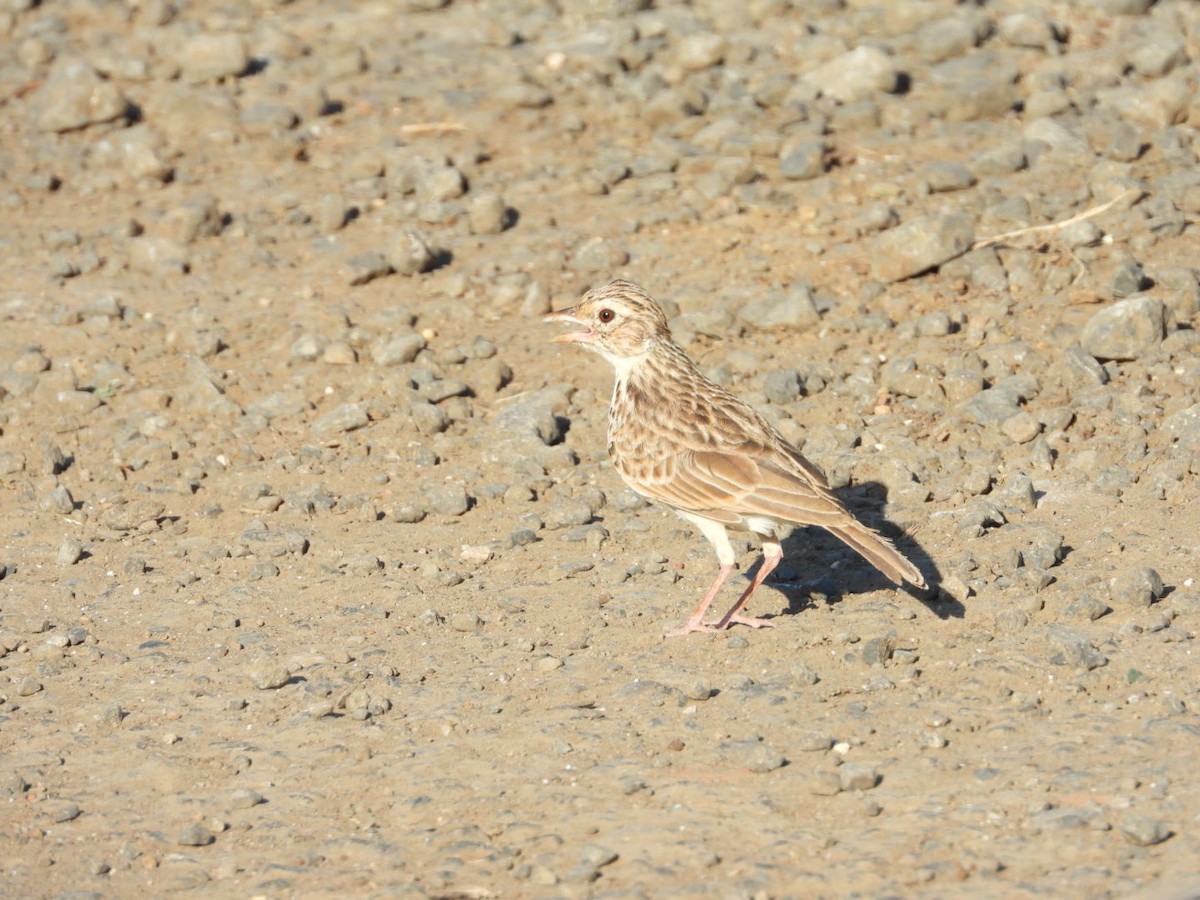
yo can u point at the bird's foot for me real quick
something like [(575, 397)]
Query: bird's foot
[(688, 627), (694, 625), (746, 620)]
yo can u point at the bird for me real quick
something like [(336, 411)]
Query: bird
[(681, 440)]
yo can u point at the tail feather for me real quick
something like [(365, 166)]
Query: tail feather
[(881, 553)]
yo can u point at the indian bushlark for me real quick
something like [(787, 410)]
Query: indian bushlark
[(683, 441)]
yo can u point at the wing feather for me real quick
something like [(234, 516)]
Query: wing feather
[(730, 486)]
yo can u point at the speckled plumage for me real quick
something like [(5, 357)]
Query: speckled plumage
[(679, 439)]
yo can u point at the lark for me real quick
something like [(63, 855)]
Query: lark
[(679, 439)]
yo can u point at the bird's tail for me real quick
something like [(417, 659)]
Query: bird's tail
[(880, 552)]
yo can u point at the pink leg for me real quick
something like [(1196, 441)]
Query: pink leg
[(696, 622), (771, 556)]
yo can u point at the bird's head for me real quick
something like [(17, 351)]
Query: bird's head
[(619, 321)]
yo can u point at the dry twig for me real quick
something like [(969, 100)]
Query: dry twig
[(1054, 226)]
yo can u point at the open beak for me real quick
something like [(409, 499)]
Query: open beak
[(584, 335)]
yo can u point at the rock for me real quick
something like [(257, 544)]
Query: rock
[(752, 755), (920, 245), (1182, 427), (397, 349), (782, 386), (856, 75), (208, 57), (410, 253), (1087, 607), (74, 95), (245, 798), (365, 267), (857, 777), (1136, 587), (802, 160), (341, 419), (268, 674), (533, 414), (946, 176), (1029, 29), (198, 217), (465, 621), (1021, 428), (69, 553), (1126, 329), (195, 835), (565, 512), (1071, 648), (1144, 831), (487, 213), (701, 50), (445, 499), (1002, 400), (793, 308)]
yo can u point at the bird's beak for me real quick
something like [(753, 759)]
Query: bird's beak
[(568, 316)]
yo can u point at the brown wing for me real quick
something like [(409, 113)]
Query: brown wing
[(729, 487)]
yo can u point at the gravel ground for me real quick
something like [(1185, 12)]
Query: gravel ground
[(315, 579)]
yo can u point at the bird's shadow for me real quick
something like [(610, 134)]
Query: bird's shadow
[(842, 572)]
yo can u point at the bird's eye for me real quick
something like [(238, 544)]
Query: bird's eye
[(606, 315)]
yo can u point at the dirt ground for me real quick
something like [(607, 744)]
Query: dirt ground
[(286, 612)]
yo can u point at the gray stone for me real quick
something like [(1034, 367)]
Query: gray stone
[(976, 86), (920, 245), (1136, 587), (1154, 104), (198, 217), (186, 112), (1087, 607), (793, 308), (74, 95), (1021, 428), (441, 183), (753, 755), (445, 498), (1002, 400), (1182, 427), (245, 798), (857, 777), (1162, 52), (802, 160), (487, 213), (397, 349), (1058, 137), (1128, 280), (410, 253), (1029, 29), (1126, 329), (1144, 831), (361, 268), (208, 57), (533, 414), (1069, 647), (428, 418), (267, 674), (701, 50), (946, 176), (195, 835), (782, 386), (69, 553), (942, 39), (567, 511), (856, 75), (340, 419), (280, 404)]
